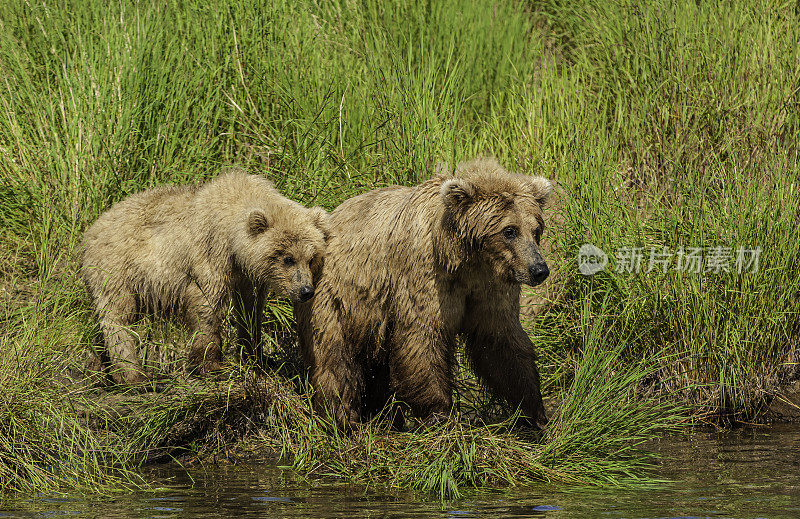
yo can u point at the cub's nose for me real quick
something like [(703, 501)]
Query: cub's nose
[(306, 293), (538, 273)]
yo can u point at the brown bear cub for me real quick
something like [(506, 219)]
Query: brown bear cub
[(190, 250), (407, 271)]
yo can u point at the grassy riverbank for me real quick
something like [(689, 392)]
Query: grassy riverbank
[(668, 124)]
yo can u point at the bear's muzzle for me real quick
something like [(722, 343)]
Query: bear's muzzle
[(306, 293), (537, 273)]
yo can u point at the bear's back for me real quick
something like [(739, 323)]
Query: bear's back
[(154, 203), (376, 222), (381, 241), (370, 207), (139, 215), (237, 188)]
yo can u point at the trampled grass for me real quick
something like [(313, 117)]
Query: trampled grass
[(668, 124)]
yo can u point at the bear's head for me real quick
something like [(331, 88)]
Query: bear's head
[(285, 249), (494, 219)]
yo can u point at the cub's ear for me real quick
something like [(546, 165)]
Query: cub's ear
[(257, 222), (321, 219), (541, 188), (456, 191)]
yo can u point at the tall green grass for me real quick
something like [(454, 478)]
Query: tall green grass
[(668, 123), (46, 440), (699, 103)]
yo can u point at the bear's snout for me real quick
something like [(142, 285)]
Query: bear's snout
[(538, 272), (306, 293)]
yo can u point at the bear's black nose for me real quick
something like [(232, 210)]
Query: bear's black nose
[(538, 273), (306, 293)]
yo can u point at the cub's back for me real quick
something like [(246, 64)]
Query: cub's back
[(126, 230), (236, 190)]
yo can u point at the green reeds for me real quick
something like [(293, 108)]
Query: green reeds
[(47, 440)]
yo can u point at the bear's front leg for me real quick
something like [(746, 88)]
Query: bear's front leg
[(115, 317), (336, 375), (203, 306), (337, 391), (421, 370), (248, 308), (503, 357)]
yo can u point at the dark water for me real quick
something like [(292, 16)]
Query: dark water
[(746, 473)]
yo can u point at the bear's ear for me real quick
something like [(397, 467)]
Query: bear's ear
[(257, 222), (456, 191), (540, 188), (320, 217)]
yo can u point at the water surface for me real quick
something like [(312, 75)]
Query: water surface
[(746, 473)]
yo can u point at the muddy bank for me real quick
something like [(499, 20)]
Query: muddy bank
[(243, 416), (785, 405)]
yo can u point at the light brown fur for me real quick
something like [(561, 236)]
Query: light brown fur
[(190, 250), (407, 270)]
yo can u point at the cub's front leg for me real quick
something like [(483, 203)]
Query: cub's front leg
[(248, 310), (204, 303)]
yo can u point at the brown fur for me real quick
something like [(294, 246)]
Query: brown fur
[(407, 270), (189, 250)]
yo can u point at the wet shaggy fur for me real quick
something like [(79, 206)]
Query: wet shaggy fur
[(407, 271), (189, 251)]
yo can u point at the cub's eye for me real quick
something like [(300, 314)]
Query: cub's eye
[(288, 261), (509, 233)]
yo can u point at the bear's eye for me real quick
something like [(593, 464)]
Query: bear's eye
[(509, 233), (288, 261)]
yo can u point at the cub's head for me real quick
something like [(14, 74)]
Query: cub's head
[(285, 249), (494, 218)]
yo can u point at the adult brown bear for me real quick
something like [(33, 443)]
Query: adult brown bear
[(407, 270)]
